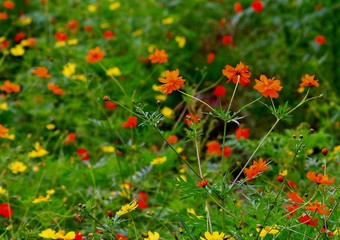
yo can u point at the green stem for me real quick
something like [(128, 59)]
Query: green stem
[(255, 151), (211, 85), (302, 102), (198, 158), (134, 226), (222, 169), (247, 105), (232, 96), (197, 99), (208, 217)]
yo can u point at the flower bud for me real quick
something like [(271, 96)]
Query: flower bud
[(106, 98), (324, 151)]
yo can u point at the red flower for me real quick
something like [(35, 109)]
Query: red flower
[(202, 183), (257, 6), (292, 184), (304, 218), (242, 133), (120, 237), (88, 28), (324, 151), (110, 105), (6, 210), (78, 236), (210, 58), (108, 34), (72, 24), (317, 207), (238, 7), (8, 5), (219, 91), (240, 72), (214, 147), (60, 36), (227, 151), (143, 200), (279, 178), (83, 154), (294, 197), (227, 39), (291, 209), (172, 139), (19, 36), (131, 122), (70, 138), (320, 40), (3, 16), (191, 119)]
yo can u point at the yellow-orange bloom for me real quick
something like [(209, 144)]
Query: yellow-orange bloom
[(159, 56), (240, 71), (10, 87), (171, 81), (268, 87), (319, 179), (308, 81), (41, 72), (95, 55), (3, 131)]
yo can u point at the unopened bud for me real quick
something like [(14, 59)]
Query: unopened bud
[(106, 98), (324, 151)]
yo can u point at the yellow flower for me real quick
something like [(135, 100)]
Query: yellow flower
[(152, 236), (17, 167), (41, 198), (17, 50), (127, 208), (214, 236), (92, 8), (50, 126), (24, 20), (38, 152), (167, 112), (156, 88), (104, 25), (115, 71), (108, 149), (114, 6), (284, 173), (69, 69), (181, 41), (192, 211), (179, 149), (137, 33), (80, 77), (72, 41), (267, 230), (50, 192), (161, 98), (3, 191), (336, 148), (48, 233), (3, 106), (152, 48), (168, 21), (60, 44), (158, 160)]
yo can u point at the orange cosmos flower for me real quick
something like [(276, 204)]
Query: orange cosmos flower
[(159, 56), (55, 89), (308, 81), (268, 87), (255, 169), (3, 131), (3, 16), (131, 122), (319, 179), (214, 147), (240, 71), (238, 7), (41, 72), (95, 55), (8, 4), (242, 133), (10, 87), (317, 207), (202, 183), (172, 139), (294, 197), (171, 81)]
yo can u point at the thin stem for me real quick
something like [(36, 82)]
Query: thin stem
[(134, 226), (211, 85), (302, 102), (198, 158), (116, 81), (232, 96), (248, 104), (222, 168), (273, 104), (208, 217), (197, 99), (255, 151)]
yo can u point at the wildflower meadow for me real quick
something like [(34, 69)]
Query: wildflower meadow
[(169, 119)]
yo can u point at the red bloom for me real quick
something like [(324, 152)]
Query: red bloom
[(227, 39), (240, 72), (202, 183), (120, 237), (143, 200), (70, 138), (227, 151), (88, 28), (108, 34), (291, 209), (292, 184), (172, 139), (242, 133), (8, 5), (60, 36), (294, 197), (72, 24), (4, 44), (210, 58), (257, 6), (219, 91), (214, 147), (238, 7), (279, 178), (131, 122), (78, 236), (3, 16), (19, 36), (324, 151), (110, 105), (317, 207), (83, 154), (6, 210), (320, 40), (191, 119), (304, 218)]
